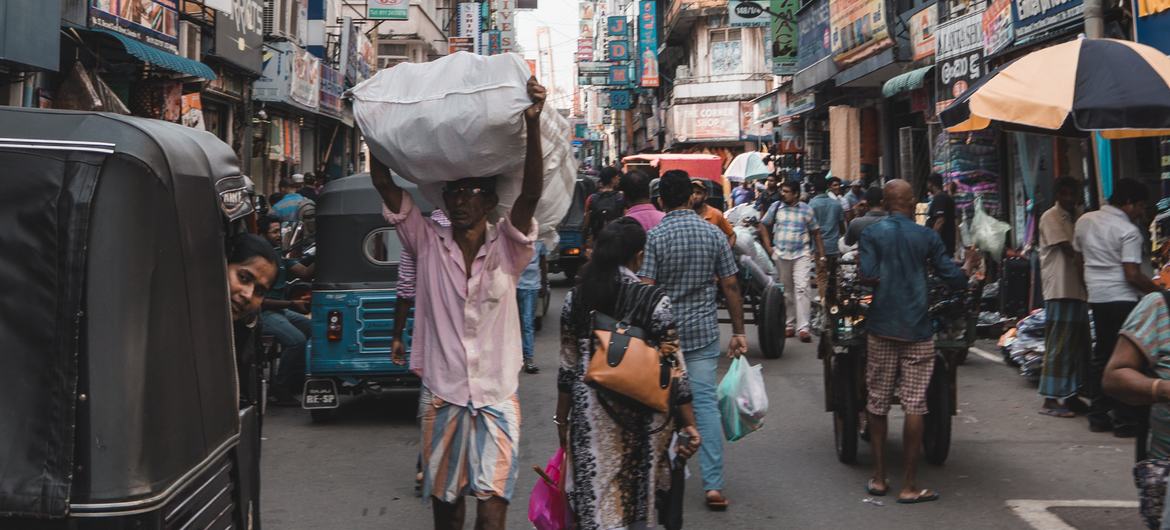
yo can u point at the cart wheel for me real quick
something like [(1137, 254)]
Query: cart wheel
[(323, 415), (936, 440), (772, 341), (961, 356), (759, 316), (845, 408)]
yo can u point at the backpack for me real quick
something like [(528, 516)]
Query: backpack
[(604, 207)]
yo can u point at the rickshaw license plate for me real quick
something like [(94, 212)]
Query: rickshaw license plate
[(320, 394)]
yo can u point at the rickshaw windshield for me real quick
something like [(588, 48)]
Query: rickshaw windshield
[(382, 247)]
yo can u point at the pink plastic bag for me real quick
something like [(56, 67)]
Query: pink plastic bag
[(548, 508)]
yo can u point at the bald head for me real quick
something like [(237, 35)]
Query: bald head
[(898, 196)]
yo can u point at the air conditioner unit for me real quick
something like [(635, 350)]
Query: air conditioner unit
[(190, 41)]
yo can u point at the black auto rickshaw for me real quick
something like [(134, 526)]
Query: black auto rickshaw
[(120, 403)]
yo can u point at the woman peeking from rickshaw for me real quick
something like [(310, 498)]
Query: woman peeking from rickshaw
[(251, 272)]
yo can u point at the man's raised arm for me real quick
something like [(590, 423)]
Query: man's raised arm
[(533, 185), (384, 183)]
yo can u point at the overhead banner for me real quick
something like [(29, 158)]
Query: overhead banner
[(305, 87), (388, 9), (922, 25), (1034, 18), (707, 121), (959, 61), (747, 14), (859, 29), (784, 36), (619, 50), (155, 22), (358, 53), (647, 44), (1151, 22), (813, 35)]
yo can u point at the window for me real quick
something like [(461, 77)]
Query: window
[(382, 247), (726, 51), (393, 50)]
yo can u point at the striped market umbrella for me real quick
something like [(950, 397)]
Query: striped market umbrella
[(1119, 88)]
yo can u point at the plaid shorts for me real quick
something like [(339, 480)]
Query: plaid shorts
[(906, 366)]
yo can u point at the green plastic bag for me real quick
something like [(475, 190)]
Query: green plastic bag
[(743, 401)]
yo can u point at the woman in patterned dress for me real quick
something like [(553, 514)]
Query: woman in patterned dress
[(620, 467)]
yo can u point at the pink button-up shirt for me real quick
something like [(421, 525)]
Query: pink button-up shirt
[(466, 328), (646, 215)]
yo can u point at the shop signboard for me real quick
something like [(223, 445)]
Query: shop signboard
[(586, 10), (767, 108), (619, 74), (492, 38), (922, 26), (647, 44), (619, 50), (749, 129), (470, 16), (620, 99), (239, 34), (798, 104), (331, 91), (998, 32), (959, 60), (460, 44), (584, 50), (291, 75), (747, 14), (1035, 18), (192, 111), (1151, 23), (814, 39), (388, 9), (617, 26), (859, 29), (155, 22), (707, 121), (504, 20), (784, 36)]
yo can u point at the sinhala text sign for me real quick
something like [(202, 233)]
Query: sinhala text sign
[(155, 22), (959, 59), (747, 14), (388, 9)]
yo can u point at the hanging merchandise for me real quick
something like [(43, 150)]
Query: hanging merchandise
[(987, 232), (971, 162), (276, 139), (160, 100)]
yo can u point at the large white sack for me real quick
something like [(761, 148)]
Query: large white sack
[(459, 116), (463, 116)]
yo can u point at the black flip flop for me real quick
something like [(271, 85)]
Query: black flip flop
[(923, 496), (1059, 412), (874, 491)]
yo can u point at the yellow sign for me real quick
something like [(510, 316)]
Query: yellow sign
[(1152, 7)]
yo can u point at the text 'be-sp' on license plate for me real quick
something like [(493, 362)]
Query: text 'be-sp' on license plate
[(320, 394)]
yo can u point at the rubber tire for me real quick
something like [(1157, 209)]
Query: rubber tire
[(936, 437), (775, 317), (322, 415), (845, 408), (762, 333)]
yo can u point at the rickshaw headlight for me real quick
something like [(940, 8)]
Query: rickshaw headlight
[(572, 252), (333, 326)]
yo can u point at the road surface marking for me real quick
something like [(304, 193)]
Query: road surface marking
[(1036, 514), (998, 359)]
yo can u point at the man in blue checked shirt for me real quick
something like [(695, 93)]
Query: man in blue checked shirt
[(794, 232), (684, 255)]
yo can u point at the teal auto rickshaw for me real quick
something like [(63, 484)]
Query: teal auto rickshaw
[(354, 297)]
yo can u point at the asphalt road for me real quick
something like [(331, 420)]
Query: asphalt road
[(1009, 467)]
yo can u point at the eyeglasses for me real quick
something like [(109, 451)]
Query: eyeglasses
[(465, 192)]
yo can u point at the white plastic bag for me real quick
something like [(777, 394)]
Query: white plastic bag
[(747, 245), (988, 232), (743, 400)]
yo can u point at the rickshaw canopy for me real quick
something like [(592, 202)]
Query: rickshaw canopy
[(119, 368), (702, 166)]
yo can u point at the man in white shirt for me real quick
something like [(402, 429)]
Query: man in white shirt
[(1111, 243)]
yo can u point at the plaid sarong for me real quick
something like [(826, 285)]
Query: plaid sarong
[(894, 365), (468, 451), (1067, 346)]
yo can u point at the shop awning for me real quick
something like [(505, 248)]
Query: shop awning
[(908, 81), (162, 59)]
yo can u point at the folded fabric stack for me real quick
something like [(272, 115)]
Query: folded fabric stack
[(971, 161)]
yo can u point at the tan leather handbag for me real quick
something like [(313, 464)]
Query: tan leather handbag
[(623, 362)]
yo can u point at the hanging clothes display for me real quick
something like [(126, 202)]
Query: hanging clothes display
[(971, 162)]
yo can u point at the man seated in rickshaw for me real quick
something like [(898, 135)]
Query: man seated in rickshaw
[(285, 319), (895, 253)]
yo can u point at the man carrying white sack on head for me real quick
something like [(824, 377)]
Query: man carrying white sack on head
[(465, 326)]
